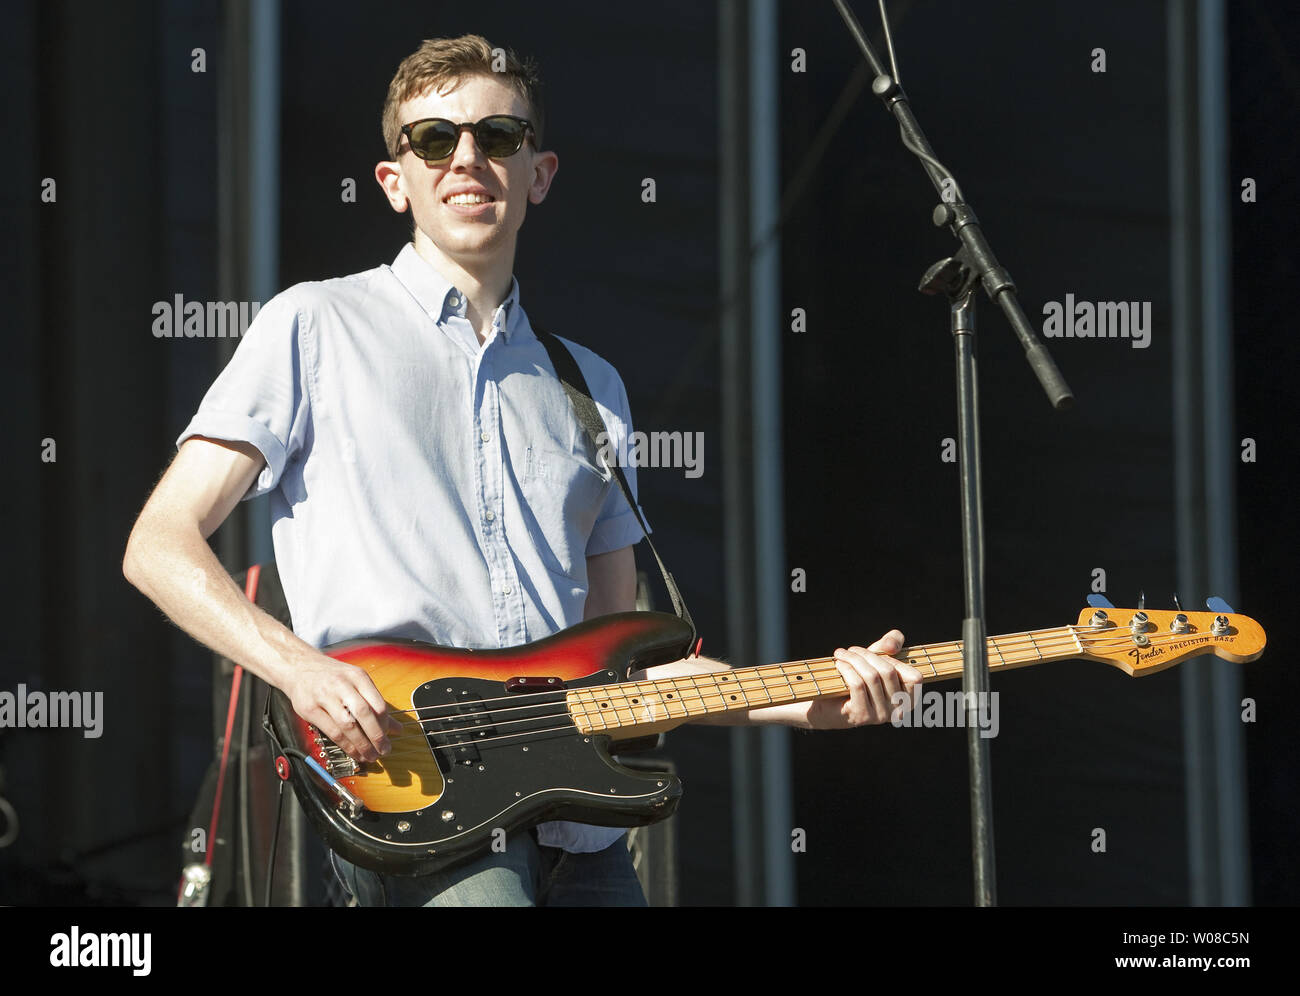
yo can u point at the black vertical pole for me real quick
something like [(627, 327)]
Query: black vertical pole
[(1204, 448)]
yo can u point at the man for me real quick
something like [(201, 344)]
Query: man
[(429, 478)]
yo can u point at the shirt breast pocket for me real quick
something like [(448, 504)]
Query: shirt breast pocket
[(563, 492)]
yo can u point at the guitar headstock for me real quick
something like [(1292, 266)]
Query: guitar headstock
[(1144, 641)]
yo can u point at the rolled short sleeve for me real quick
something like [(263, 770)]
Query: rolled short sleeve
[(262, 395), (616, 526)]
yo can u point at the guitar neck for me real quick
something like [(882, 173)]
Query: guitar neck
[(638, 708)]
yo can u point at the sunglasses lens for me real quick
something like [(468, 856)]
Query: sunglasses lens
[(499, 137), (434, 139)]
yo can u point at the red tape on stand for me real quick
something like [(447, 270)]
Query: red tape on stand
[(250, 591)]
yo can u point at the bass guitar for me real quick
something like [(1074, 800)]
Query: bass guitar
[(495, 741)]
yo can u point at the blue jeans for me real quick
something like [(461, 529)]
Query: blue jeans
[(524, 874)]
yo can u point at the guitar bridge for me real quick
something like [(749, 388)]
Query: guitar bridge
[(336, 764), (332, 757)]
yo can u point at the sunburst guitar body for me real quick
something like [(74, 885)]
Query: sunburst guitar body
[(489, 745)]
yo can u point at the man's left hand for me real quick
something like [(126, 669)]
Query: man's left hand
[(874, 679)]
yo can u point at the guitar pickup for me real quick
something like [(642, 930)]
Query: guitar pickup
[(532, 684), (452, 738)]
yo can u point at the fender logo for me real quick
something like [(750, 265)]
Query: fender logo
[(1138, 655)]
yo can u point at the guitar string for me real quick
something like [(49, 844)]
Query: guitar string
[(571, 727), (1116, 637), (523, 697), (951, 652), (520, 697), (699, 697)]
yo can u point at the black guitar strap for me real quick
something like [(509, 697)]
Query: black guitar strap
[(575, 386)]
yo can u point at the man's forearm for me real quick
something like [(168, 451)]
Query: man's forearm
[(176, 569)]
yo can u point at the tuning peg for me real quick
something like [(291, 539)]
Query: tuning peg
[(1215, 604), (1099, 602), (1142, 600)]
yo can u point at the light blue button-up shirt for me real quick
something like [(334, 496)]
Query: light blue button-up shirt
[(422, 485)]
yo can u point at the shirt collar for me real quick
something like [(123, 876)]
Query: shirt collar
[(435, 294)]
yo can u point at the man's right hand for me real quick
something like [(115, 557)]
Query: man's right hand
[(342, 702)]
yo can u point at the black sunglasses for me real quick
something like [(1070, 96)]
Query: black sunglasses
[(498, 135)]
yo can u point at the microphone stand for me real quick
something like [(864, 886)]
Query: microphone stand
[(956, 277)]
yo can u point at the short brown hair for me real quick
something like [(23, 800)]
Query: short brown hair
[(446, 60)]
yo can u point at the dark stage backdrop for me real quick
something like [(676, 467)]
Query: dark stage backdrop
[(1068, 170), (1264, 50)]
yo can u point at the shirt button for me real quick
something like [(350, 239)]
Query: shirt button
[(491, 516), (454, 301), (485, 436), (505, 590)]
